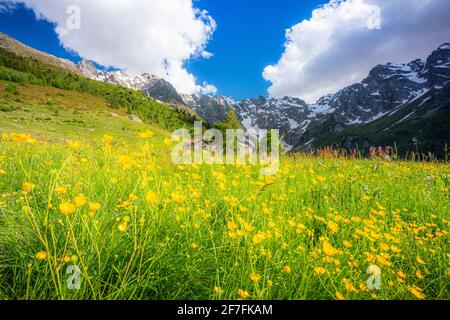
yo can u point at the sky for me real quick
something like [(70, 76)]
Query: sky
[(237, 48), (250, 35)]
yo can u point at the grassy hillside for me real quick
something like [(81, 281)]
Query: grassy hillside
[(59, 115), (28, 71)]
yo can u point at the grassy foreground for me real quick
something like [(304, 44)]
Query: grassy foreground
[(139, 227)]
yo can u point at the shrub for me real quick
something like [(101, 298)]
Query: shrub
[(12, 89)]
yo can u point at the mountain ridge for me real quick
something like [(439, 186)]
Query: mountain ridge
[(387, 89), (342, 118)]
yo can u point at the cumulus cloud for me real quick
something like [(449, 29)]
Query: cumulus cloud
[(343, 41), (157, 36)]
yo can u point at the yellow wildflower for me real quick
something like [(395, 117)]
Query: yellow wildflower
[(23, 137), (340, 296), (145, 135), (168, 142), (123, 226), (94, 206), (349, 286), (107, 138), (60, 190), (132, 197), (347, 244), (28, 187), (80, 200), (152, 197), (243, 294), (67, 208), (333, 226), (417, 292), (218, 290), (248, 227), (231, 226), (74, 145), (287, 269), (257, 238), (255, 277), (178, 198), (328, 249), (243, 209), (194, 245), (419, 274), (319, 271), (384, 262), (125, 161), (419, 260), (41, 255)]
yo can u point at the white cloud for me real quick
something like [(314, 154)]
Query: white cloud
[(206, 54), (340, 43), (208, 89), (156, 36)]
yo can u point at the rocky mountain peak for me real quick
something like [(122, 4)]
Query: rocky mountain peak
[(388, 89), (89, 70)]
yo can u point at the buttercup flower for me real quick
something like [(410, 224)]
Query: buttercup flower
[(28, 187), (80, 200), (243, 294), (287, 269), (255, 277), (67, 208), (41, 255), (152, 197)]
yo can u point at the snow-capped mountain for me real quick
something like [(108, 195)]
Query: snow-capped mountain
[(389, 89), (393, 96), (151, 85), (212, 109)]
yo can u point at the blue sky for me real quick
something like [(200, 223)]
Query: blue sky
[(332, 44), (249, 36), (22, 25)]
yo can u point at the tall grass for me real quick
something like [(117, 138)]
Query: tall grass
[(139, 227)]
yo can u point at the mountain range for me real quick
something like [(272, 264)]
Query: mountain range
[(401, 104), (406, 104)]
